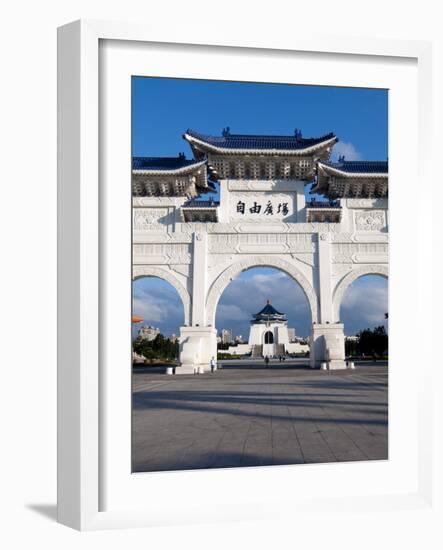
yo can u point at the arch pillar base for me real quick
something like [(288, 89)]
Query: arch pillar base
[(327, 345), (197, 346)]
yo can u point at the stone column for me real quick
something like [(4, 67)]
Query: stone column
[(198, 343), (327, 342), (325, 277), (197, 346), (199, 277), (301, 202)]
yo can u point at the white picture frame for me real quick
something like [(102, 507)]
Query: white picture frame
[(83, 398)]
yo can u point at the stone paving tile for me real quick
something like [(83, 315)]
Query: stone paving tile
[(255, 417)]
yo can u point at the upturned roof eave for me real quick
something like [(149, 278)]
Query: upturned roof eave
[(183, 170), (209, 147), (326, 170)]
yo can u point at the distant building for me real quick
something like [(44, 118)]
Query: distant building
[(238, 339), (291, 335), (148, 333), (226, 336), (173, 338)]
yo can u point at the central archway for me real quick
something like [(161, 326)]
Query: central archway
[(269, 337), (226, 276)]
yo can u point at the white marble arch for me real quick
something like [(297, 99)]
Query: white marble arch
[(349, 278), (226, 276), (161, 273)]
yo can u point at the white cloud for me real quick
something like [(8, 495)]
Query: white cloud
[(364, 305), (147, 308), (158, 303), (347, 149), (227, 312)]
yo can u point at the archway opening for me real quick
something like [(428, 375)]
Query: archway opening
[(365, 315), (263, 312), (157, 315)]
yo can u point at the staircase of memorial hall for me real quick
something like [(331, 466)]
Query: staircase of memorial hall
[(279, 349), (257, 350)]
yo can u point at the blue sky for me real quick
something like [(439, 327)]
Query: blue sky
[(163, 109)]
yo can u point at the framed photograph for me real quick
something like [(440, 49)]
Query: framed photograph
[(230, 215)]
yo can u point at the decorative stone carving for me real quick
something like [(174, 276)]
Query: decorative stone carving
[(342, 258), (148, 219), (153, 271), (342, 237), (349, 252), (162, 253), (231, 272), (261, 242), (370, 221), (367, 203)]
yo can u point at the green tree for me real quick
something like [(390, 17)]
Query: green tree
[(160, 348), (373, 342)]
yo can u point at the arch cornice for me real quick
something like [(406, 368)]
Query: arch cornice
[(352, 276), (226, 276), (139, 271)]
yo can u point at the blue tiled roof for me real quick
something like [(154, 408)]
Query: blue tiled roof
[(360, 166), (322, 204), (268, 310), (195, 203), (247, 141), (161, 163)]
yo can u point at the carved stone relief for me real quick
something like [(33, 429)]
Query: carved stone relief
[(353, 252), (148, 219), (370, 221), (162, 253), (276, 243)]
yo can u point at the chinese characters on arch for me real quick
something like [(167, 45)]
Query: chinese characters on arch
[(267, 208)]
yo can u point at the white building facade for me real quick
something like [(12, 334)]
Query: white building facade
[(269, 333), (148, 333), (262, 219)]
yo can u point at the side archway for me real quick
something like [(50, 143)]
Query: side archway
[(152, 271), (226, 276), (352, 276)]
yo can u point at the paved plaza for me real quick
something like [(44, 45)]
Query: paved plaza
[(246, 415)]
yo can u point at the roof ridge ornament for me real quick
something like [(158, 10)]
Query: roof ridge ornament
[(226, 131), (297, 133), (341, 158)]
